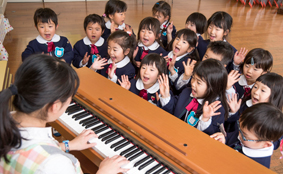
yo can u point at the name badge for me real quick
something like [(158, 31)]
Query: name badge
[(94, 57), (164, 33), (59, 52), (191, 119)]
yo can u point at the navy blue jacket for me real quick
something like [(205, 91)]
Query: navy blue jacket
[(164, 36), (158, 51), (80, 48), (177, 106), (35, 47)]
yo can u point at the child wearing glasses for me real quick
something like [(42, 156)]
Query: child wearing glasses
[(258, 127)]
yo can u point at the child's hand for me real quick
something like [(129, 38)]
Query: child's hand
[(218, 137), (172, 65), (136, 52), (81, 141), (111, 71), (210, 110), (189, 67), (233, 103), (170, 28), (240, 56), (113, 165), (125, 82), (85, 59), (99, 63), (166, 59), (233, 77), (63, 60), (112, 28), (164, 86), (128, 29), (138, 64)]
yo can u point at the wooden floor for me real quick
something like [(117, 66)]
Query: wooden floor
[(252, 28)]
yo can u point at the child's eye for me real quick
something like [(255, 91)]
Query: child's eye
[(246, 66), (150, 32), (255, 69), (255, 87), (263, 90)]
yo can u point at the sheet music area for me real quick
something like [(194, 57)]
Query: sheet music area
[(173, 145)]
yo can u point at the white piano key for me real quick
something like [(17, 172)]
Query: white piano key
[(144, 170)]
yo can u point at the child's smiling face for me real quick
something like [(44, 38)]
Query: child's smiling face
[(46, 30)]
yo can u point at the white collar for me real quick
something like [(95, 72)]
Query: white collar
[(256, 153), (120, 27), (164, 23), (198, 34), (224, 40), (97, 43), (40, 39), (153, 89), (243, 82), (249, 103), (170, 55), (200, 101), (152, 47), (122, 63)]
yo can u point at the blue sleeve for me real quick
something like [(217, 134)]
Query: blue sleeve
[(202, 47), (138, 56), (174, 32), (78, 56), (68, 52), (169, 107), (28, 51)]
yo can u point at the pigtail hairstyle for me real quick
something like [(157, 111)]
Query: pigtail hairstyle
[(152, 24), (125, 40), (213, 73), (40, 81), (164, 8)]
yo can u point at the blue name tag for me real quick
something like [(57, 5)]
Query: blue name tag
[(191, 119), (164, 33), (175, 70), (94, 57), (59, 52)]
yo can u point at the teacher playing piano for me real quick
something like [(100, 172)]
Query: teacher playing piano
[(42, 91)]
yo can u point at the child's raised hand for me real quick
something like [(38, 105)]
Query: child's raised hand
[(136, 52), (125, 83), (111, 71), (189, 68), (210, 110), (172, 64), (164, 86), (81, 141), (233, 77), (170, 28), (128, 29), (113, 165), (233, 103), (166, 59), (99, 63), (240, 56), (219, 137), (85, 59), (112, 28)]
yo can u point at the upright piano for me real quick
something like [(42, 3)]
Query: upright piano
[(152, 139)]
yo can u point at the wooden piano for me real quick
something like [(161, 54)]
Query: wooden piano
[(180, 148)]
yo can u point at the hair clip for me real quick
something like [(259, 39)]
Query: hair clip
[(252, 61), (157, 3), (104, 15)]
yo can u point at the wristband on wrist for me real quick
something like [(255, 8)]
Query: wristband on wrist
[(66, 142)]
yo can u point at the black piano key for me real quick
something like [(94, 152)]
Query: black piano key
[(160, 170), (135, 156), (74, 111), (141, 161), (105, 134), (146, 164), (76, 107), (122, 146), (92, 124), (109, 136), (71, 107), (112, 139), (87, 120), (118, 143), (98, 127), (132, 153), (166, 172), (80, 114), (101, 130), (153, 169), (128, 150)]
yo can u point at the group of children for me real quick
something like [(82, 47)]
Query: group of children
[(228, 94)]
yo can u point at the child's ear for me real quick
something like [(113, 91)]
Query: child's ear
[(166, 18), (190, 49), (127, 51), (111, 16), (159, 35), (57, 26), (267, 144), (55, 107), (226, 32)]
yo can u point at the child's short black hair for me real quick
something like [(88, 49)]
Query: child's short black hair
[(162, 7), (262, 59), (199, 20), (44, 15), (265, 120), (221, 19), (154, 58), (275, 83), (94, 18), (150, 23), (222, 48), (115, 6)]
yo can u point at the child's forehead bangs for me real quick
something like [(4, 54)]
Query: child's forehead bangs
[(147, 27), (44, 20), (218, 21)]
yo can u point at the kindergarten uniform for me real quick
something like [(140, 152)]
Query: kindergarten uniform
[(107, 30), (85, 46), (124, 67), (154, 48), (164, 33), (59, 47), (185, 107), (241, 88)]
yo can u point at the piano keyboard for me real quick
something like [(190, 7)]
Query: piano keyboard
[(110, 142)]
